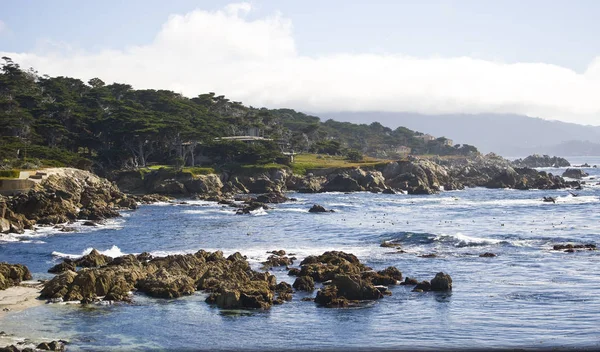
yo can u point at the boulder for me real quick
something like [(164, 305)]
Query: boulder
[(575, 173), (441, 282)]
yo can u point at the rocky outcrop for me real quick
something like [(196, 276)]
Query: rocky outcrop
[(229, 281), (172, 182), (12, 275), (537, 160), (575, 173), (66, 195), (347, 281)]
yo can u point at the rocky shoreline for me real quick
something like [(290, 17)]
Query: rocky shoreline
[(80, 195), (413, 176)]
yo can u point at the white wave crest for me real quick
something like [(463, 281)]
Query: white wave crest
[(113, 252)]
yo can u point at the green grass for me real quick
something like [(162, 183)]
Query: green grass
[(9, 173), (258, 168), (199, 170), (305, 162)]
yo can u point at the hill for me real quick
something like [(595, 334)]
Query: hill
[(504, 134)]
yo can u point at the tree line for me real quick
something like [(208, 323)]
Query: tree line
[(65, 121)]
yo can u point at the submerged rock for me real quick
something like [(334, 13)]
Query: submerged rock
[(316, 208)]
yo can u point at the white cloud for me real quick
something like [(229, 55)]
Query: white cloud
[(255, 61), (3, 27)]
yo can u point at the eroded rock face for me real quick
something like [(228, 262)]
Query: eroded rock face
[(12, 275), (66, 195)]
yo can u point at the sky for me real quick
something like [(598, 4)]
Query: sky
[(536, 58)]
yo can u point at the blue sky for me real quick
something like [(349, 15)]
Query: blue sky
[(461, 56)]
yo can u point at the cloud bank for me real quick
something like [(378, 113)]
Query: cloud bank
[(256, 62)]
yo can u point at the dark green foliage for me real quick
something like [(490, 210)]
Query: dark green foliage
[(237, 152), (354, 155), (64, 121)]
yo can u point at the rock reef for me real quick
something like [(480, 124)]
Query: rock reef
[(229, 282)]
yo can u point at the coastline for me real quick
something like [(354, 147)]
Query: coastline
[(19, 298)]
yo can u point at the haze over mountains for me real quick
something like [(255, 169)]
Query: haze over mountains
[(504, 134)]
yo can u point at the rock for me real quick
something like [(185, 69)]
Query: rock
[(346, 287), (12, 275), (11, 348), (4, 225), (273, 197), (250, 207), (304, 283), (162, 284), (389, 276), (569, 246), (294, 272), (59, 286), (423, 286), (62, 267), (388, 191), (389, 244), (280, 252), (94, 259), (409, 281), (549, 199), (144, 256), (342, 183), (487, 255), (537, 160), (575, 173), (441, 282), (276, 260), (52, 346), (316, 208)]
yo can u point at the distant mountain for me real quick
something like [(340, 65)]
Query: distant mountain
[(504, 134)]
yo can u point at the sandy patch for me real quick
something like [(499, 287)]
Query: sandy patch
[(18, 298)]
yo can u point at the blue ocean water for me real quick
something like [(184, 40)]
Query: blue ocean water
[(529, 296)]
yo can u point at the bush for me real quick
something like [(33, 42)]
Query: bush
[(354, 155)]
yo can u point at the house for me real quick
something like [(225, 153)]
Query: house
[(449, 142), (426, 137)]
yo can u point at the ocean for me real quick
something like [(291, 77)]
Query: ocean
[(528, 296)]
